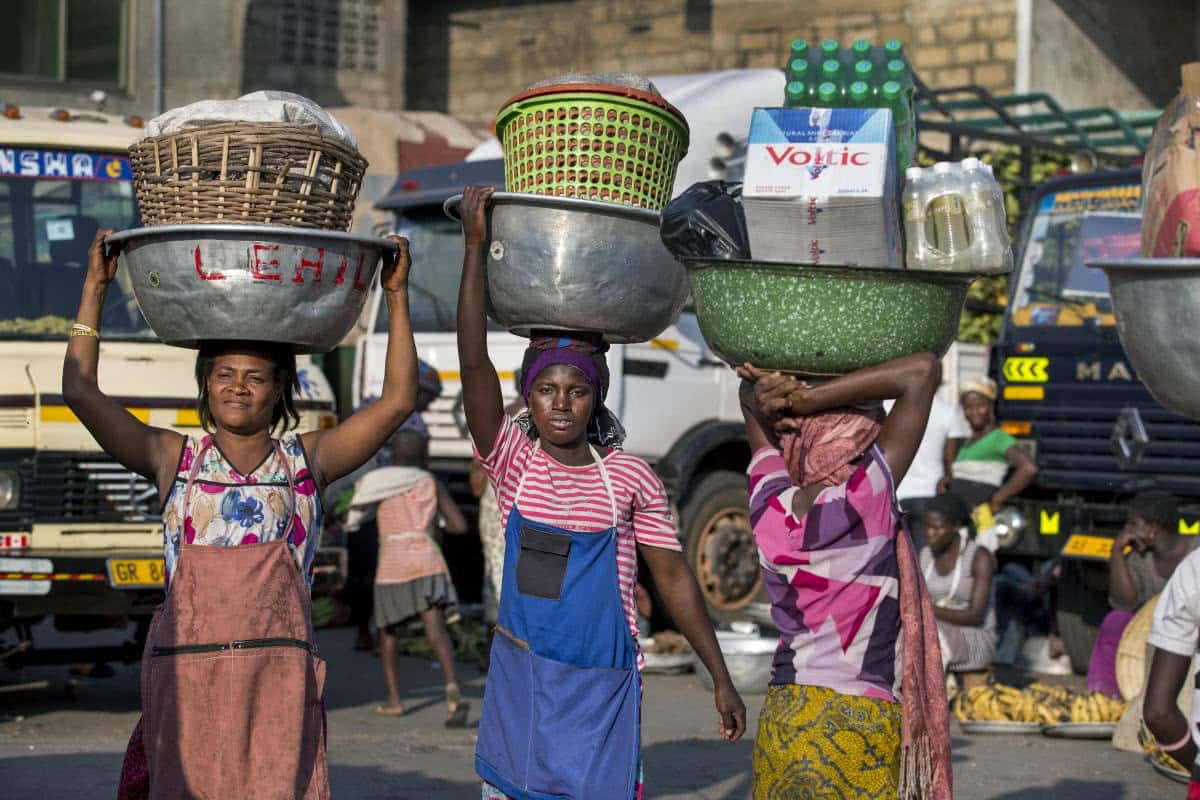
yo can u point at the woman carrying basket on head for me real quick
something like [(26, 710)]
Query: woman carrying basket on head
[(857, 701), (561, 714), (231, 681)]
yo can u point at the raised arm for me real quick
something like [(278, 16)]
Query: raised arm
[(483, 401), (152, 452), (452, 517), (343, 449), (911, 380)]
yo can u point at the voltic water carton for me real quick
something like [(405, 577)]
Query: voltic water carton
[(821, 187)]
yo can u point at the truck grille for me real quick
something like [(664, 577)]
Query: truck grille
[(1074, 451), (90, 488)]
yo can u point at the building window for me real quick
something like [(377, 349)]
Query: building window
[(337, 34), (66, 40)]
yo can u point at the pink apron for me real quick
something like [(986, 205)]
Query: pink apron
[(232, 685)]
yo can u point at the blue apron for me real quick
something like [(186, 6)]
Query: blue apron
[(561, 711)]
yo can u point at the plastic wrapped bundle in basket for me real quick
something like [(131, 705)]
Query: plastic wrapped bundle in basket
[(270, 158), (608, 137)]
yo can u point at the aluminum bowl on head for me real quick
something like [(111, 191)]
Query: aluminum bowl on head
[(823, 320), (258, 283), (557, 263), (1157, 305)]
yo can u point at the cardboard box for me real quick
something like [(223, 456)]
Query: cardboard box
[(1171, 176), (821, 187)]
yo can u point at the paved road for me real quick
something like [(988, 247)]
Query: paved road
[(54, 748)]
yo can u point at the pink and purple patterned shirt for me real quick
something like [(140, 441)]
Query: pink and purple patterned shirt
[(831, 576)]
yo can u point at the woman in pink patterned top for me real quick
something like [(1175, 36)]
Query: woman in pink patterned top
[(822, 503)]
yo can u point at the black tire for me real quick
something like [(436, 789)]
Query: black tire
[(726, 565), (1080, 611)]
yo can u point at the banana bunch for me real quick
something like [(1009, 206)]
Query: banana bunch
[(1150, 746), (1039, 704), (1096, 707)]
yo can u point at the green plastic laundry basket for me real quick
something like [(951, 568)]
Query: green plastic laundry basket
[(592, 142)]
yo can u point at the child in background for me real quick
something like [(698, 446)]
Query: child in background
[(412, 579)]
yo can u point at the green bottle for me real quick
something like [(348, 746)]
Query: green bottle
[(831, 72), (861, 49), (827, 95), (893, 97), (799, 49), (798, 70), (830, 49), (893, 48), (860, 95), (797, 94), (899, 71), (864, 71)]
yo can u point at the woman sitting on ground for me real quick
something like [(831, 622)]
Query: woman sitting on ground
[(958, 572), (1151, 535)]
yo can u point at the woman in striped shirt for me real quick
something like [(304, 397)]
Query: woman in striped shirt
[(561, 714)]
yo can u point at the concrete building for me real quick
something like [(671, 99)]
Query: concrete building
[(466, 56)]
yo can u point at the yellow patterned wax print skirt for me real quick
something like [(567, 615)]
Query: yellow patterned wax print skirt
[(816, 744)]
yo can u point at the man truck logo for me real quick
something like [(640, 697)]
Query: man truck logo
[(1094, 371), (1026, 370)]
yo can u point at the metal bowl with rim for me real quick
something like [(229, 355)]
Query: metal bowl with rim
[(303, 288), (1157, 305), (748, 657), (557, 263), (821, 319)]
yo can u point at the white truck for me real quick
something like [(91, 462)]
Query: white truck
[(677, 401)]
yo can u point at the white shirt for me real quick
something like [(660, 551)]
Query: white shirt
[(1177, 620), (946, 421)]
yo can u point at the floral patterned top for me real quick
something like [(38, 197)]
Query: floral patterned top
[(228, 508)]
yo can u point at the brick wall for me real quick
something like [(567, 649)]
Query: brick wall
[(467, 56)]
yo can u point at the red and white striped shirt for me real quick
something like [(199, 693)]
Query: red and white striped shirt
[(574, 499)]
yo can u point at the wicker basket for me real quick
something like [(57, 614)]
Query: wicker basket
[(1132, 661), (592, 142), (261, 173)]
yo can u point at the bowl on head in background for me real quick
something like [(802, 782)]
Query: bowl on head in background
[(823, 320), (555, 263), (303, 288), (1157, 305)]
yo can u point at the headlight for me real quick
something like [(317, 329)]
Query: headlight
[(1008, 524), (10, 489)]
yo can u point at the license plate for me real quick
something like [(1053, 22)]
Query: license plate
[(1088, 546), (135, 573)]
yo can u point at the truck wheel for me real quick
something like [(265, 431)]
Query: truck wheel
[(719, 543), (1081, 609)]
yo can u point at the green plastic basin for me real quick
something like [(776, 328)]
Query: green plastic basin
[(823, 320)]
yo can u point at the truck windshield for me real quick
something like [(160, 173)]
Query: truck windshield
[(1055, 287), (436, 246), (52, 202)]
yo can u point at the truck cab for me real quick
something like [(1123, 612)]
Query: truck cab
[(80, 536), (1070, 395)]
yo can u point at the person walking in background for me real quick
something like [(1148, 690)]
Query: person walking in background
[(412, 580), (930, 470), (1144, 555), (857, 701)]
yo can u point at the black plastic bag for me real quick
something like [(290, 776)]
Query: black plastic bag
[(706, 221)]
